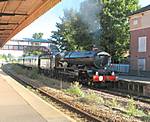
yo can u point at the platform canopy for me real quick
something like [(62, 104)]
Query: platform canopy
[(17, 14)]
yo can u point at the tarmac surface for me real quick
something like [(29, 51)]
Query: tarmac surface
[(18, 104), (144, 80)]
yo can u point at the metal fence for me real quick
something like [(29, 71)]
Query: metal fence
[(120, 68)]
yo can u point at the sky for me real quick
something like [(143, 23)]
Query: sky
[(46, 23)]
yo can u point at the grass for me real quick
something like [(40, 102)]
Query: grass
[(92, 98), (18, 69), (113, 102), (132, 110), (34, 74), (146, 118), (75, 89), (89, 97)]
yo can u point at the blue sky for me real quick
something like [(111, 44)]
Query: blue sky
[(46, 23)]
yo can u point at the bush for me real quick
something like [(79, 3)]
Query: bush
[(75, 89)]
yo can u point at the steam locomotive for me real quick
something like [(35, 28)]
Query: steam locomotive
[(84, 66)]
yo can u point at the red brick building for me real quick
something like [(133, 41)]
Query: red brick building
[(140, 40)]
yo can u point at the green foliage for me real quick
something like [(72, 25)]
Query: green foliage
[(17, 69), (92, 98), (114, 102), (72, 33), (3, 57), (115, 26), (146, 118), (32, 51), (36, 52), (75, 89), (132, 109), (33, 74), (8, 57), (37, 35)]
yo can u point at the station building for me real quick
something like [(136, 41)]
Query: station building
[(140, 40)]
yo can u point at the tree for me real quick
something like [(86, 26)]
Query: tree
[(58, 37), (36, 50), (72, 33), (37, 35), (9, 57), (115, 26), (3, 57)]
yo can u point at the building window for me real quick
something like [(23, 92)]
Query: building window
[(20, 47), (15, 47), (141, 64), (10, 47), (5, 47), (135, 21), (142, 44)]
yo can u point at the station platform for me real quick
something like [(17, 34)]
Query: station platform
[(139, 86), (18, 104), (134, 79)]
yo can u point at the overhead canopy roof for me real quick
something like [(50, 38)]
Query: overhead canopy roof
[(17, 14)]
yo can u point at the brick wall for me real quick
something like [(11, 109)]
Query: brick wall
[(134, 48)]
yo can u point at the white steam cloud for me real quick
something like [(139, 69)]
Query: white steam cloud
[(90, 10)]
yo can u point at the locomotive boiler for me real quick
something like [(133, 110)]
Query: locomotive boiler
[(87, 59)]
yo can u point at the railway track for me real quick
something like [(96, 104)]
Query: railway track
[(123, 94), (72, 108)]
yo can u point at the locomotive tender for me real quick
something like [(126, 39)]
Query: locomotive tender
[(84, 66)]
